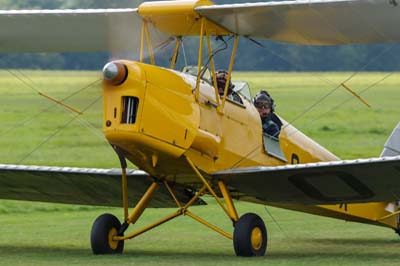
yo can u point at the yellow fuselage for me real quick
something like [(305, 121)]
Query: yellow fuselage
[(170, 124)]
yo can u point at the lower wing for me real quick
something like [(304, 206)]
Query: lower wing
[(350, 181), (100, 187)]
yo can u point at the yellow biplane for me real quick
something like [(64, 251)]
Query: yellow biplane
[(186, 138)]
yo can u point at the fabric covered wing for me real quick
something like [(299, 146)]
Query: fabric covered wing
[(113, 30), (371, 180), (99, 187), (311, 22)]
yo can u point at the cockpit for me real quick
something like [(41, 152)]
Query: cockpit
[(240, 87)]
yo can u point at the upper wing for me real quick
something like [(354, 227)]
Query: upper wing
[(114, 30), (311, 22), (100, 187), (370, 180)]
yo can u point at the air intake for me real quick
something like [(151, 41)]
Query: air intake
[(129, 109)]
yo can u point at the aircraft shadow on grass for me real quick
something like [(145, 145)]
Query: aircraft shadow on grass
[(327, 249)]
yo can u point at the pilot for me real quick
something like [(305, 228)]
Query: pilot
[(221, 77), (271, 123)]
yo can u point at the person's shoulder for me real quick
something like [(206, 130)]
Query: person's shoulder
[(236, 97), (270, 122), (276, 119), (273, 129)]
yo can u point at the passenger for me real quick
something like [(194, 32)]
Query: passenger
[(271, 123), (221, 77)]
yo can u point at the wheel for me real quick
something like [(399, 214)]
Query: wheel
[(104, 228), (250, 236)]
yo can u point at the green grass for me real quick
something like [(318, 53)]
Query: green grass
[(49, 234), (54, 234)]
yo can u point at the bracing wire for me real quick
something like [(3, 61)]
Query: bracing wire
[(344, 102), (361, 92), (309, 108), (223, 46), (42, 94), (338, 86), (304, 112), (31, 118), (351, 76), (27, 81), (57, 131), (184, 53), (275, 221)]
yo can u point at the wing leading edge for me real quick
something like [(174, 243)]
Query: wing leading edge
[(80, 30), (69, 30), (99, 187), (352, 181), (311, 22)]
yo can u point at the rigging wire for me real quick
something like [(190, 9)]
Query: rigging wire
[(27, 81), (57, 131), (338, 86), (351, 76), (361, 92), (190, 27), (275, 221), (184, 53), (343, 102), (330, 25), (31, 84), (247, 156), (29, 119), (44, 95), (96, 131), (21, 73), (223, 46)]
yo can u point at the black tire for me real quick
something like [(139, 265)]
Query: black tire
[(250, 236), (105, 225)]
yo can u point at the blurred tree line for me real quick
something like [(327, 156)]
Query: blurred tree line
[(264, 55)]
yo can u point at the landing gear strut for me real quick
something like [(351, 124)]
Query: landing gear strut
[(249, 237)]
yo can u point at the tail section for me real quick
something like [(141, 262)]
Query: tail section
[(392, 145), (392, 148)]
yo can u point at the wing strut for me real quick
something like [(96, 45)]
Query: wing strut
[(235, 44), (200, 57), (145, 37), (355, 94)]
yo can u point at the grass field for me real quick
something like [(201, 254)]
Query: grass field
[(53, 234)]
